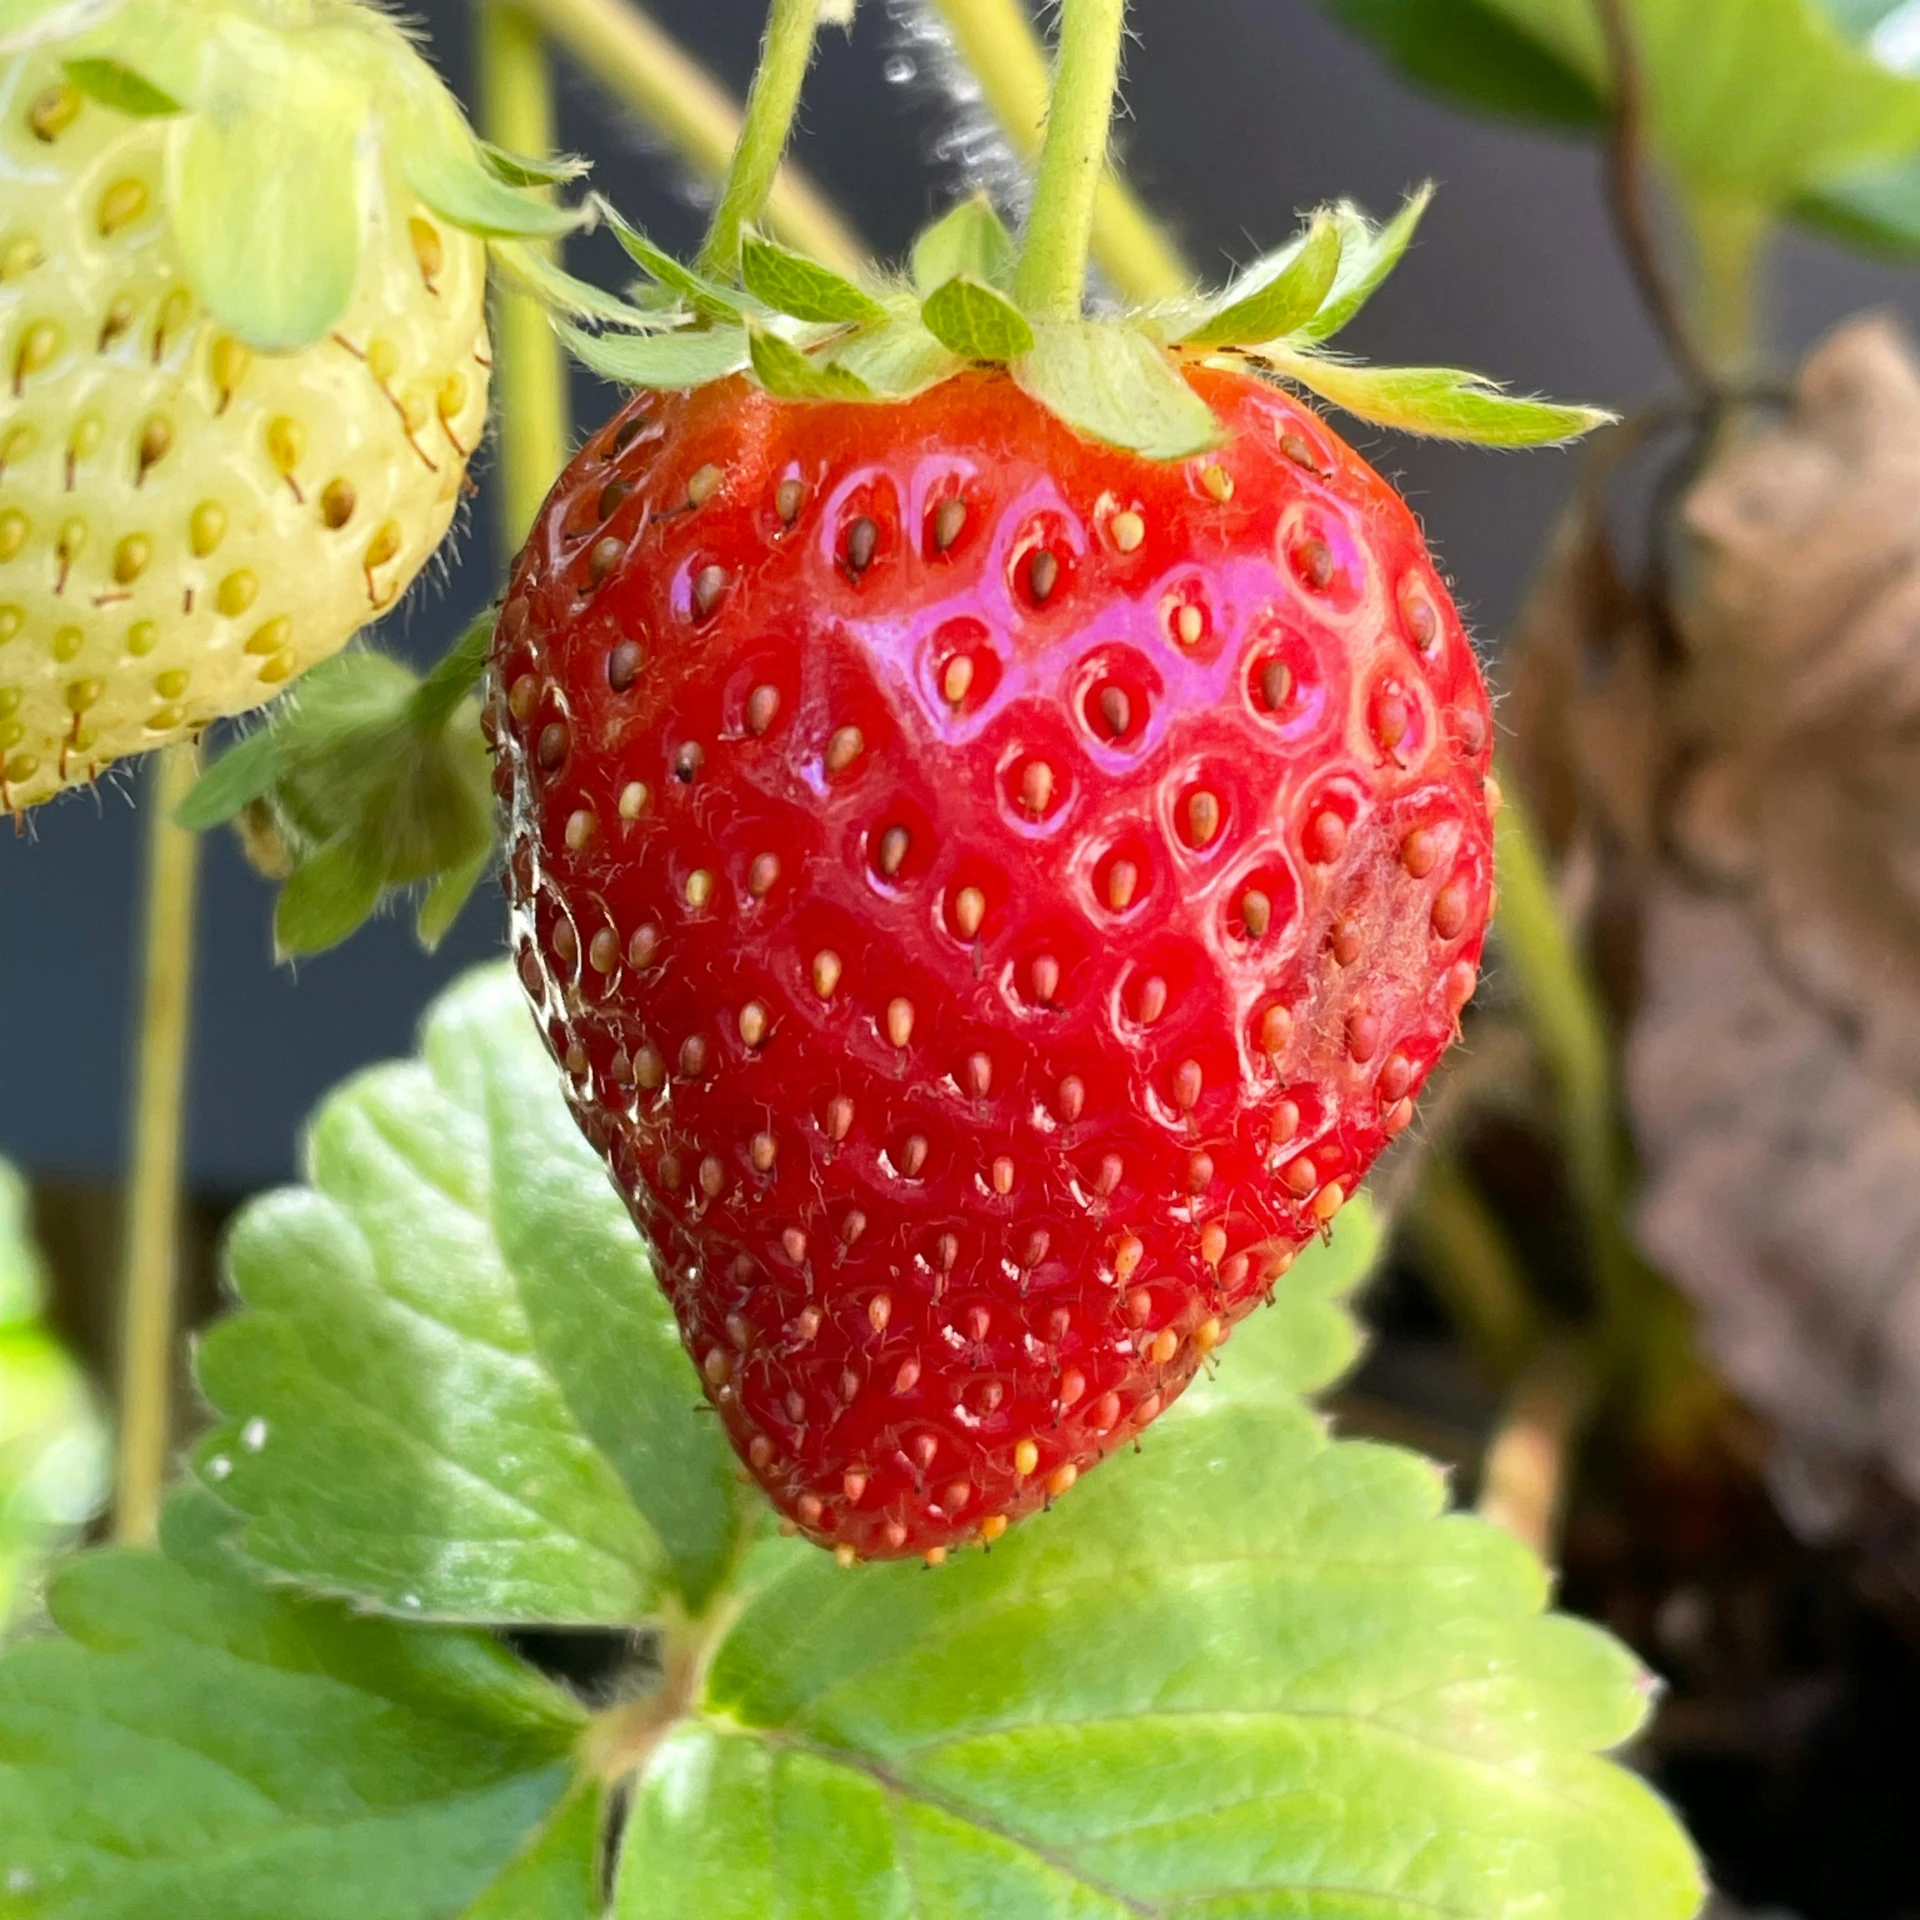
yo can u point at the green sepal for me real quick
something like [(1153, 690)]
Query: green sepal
[(689, 357), (440, 158), (366, 781), (788, 374), (1114, 384), (1438, 403), (972, 240), (788, 282), (119, 87), (976, 322), (266, 211), (1368, 253), (534, 270), (1275, 303), (706, 297), (897, 360), (525, 170)]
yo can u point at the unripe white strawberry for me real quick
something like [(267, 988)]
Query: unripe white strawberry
[(243, 360)]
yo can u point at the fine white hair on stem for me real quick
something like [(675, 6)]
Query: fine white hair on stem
[(966, 144)]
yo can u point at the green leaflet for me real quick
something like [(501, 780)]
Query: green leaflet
[(1367, 255), (1251, 1671), (687, 358), (53, 1456), (197, 1744), (556, 1876), (1269, 303), (788, 282), (786, 372), (974, 322), (458, 1270), (1116, 385), (1441, 403), (971, 241)]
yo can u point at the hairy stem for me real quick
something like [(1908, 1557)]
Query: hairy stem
[(772, 100), (621, 49), (150, 1275), (1052, 275), (996, 42), (530, 369)]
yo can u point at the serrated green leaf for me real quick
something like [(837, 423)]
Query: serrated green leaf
[(266, 212), (705, 296), (791, 283), (970, 241), (534, 270), (120, 88), (196, 1744), (1116, 385), (1367, 255), (556, 1876), (1440, 403), (686, 358), (1266, 303), (435, 1333), (789, 374), (972, 320), (897, 360), (53, 1455), (1252, 1671)]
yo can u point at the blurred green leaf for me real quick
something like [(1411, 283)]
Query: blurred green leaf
[(53, 1452), (454, 1389), (197, 1745), (1116, 385)]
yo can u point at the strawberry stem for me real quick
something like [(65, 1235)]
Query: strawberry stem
[(622, 50), (771, 101), (150, 1274), (530, 369), (1052, 275), (996, 42)]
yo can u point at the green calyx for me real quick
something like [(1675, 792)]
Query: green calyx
[(806, 332), (288, 117)]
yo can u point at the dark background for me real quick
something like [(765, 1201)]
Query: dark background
[(1241, 112)]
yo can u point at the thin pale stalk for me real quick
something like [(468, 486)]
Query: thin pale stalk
[(1472, 1266), (149, 1285), (1523, 1479), (1052, 276), (530, 371), (772, 101), (996, 42)]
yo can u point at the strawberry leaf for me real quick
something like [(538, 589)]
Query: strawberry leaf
[(1269, 301), (790, 283), (454, 1390), (1367, 255), (197, 1743), (971, 241), (1442, 403), (1347, 1701), (788, 374), (53, 1457), (689, 357), (973, 321), (1116, 385)]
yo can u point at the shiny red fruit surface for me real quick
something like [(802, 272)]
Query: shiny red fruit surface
[(991, 897)]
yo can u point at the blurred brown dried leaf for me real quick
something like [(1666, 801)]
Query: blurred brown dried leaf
[(1745, 766)]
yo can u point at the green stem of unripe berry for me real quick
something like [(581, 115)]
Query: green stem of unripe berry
[(1052, 275), (775, 94)]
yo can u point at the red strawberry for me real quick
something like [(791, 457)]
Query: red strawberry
[(993, 896)]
